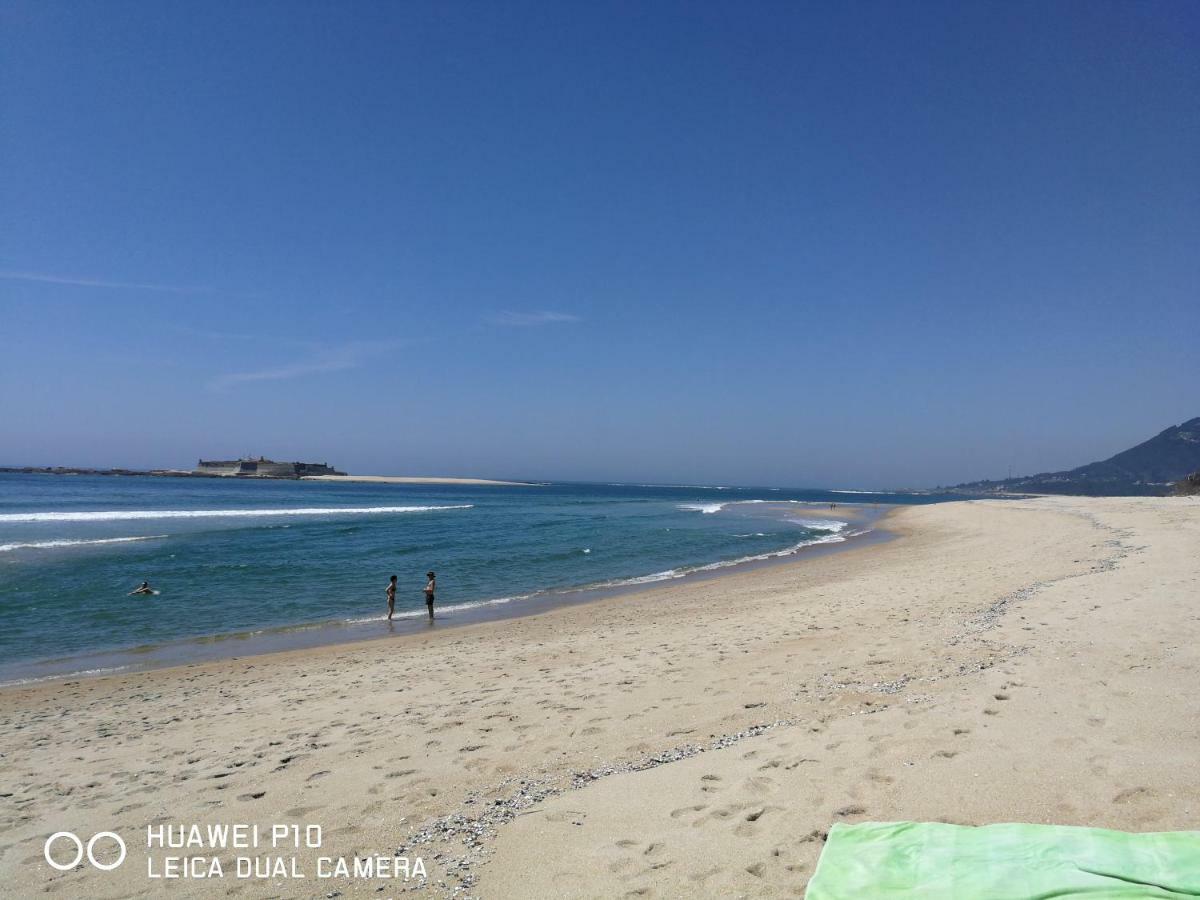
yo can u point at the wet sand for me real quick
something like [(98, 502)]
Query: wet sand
[(1000, 660)]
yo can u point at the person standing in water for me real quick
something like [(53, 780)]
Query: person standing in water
[(391, 595), (430, 587)]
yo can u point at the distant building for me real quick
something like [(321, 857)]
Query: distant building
[(262, 468)]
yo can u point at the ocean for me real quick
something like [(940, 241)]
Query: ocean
[(243, 566)]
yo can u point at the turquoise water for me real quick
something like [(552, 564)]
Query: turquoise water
[(235, 556)]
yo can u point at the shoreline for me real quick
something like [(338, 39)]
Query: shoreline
[(305, 636)]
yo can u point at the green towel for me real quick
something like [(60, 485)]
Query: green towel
[(934, 861)]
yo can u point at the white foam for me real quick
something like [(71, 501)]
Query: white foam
[(717, 507), (115, 515), (723, 564), (45, 545), (451, 607), (821, 524), (83, 673)]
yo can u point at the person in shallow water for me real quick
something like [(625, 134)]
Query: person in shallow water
[(391, 595), (430, 587), (144, 589)]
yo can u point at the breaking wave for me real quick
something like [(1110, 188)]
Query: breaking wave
[(115, 515), (684, 571), (46, 545)]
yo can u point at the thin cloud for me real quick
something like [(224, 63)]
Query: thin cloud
[(209, 334), (543, 317), (47, 278), (331, 359)]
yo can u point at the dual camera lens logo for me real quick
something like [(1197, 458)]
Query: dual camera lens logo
[(81, 849)]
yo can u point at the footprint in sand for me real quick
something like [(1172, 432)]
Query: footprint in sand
[(1135, 793), (759, 784), (572, 816)]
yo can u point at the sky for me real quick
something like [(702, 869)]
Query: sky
[(855, 245)]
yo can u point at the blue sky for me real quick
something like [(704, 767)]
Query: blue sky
[(843, 244)]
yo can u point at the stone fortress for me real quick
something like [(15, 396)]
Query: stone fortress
[(262, 468)]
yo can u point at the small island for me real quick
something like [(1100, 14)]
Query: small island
[(262, 469)]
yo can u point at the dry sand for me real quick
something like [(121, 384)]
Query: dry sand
[(1031, 660)]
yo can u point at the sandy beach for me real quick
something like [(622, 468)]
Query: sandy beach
[(1019, 660)]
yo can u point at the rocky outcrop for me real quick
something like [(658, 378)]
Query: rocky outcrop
[(1189, 485)]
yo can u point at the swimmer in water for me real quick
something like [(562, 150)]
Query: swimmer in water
[(144, 589)]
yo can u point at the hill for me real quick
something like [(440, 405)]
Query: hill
[(1151, 468)]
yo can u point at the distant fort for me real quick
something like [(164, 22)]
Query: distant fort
[(262, 468)]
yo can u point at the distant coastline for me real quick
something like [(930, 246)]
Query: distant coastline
[(186, 473), (417, 479)]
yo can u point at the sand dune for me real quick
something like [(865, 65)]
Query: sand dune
[(1001, 660)]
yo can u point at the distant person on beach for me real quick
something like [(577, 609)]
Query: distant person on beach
[(144, 589), (430, 587), (391, 595)]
